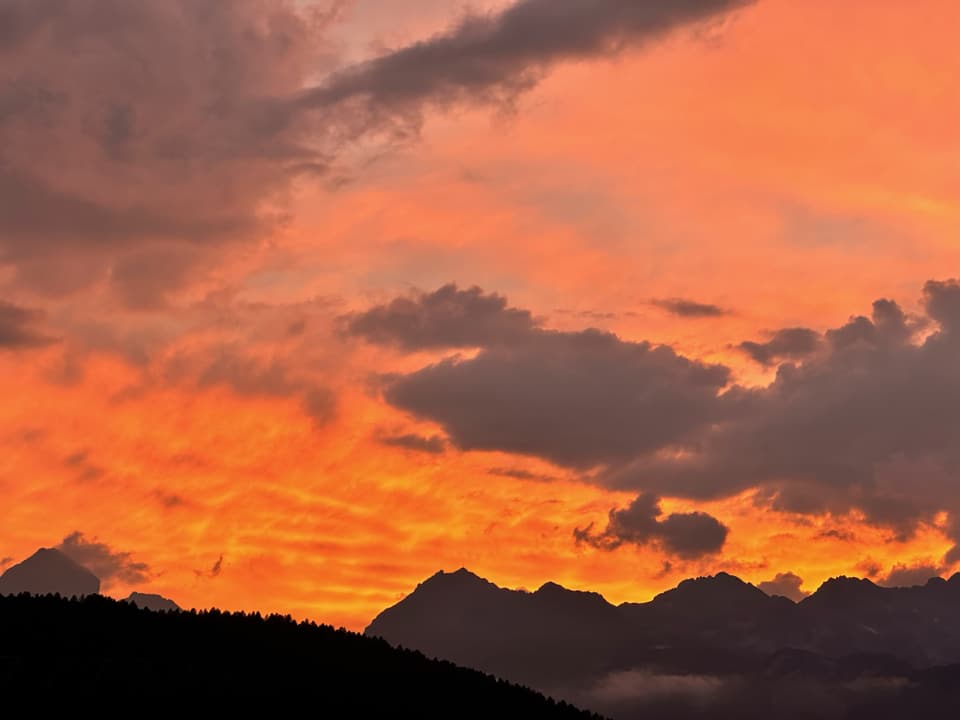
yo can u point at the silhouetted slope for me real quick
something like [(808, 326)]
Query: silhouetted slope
[(49, 571), (109, 655), (150, 601)]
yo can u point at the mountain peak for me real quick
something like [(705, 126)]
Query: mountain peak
[(152, 601), (722, 582), (714, 593), (49, 571), (461, 578), (843, 592)]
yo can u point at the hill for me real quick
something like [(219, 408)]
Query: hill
[(98, 652)]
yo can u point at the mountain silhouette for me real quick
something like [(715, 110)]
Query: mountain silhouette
[(549, 635), (717, 626), (150, 601), (99, 652), (49, 571)]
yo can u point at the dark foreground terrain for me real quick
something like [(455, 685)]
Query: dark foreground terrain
[(101, 656)]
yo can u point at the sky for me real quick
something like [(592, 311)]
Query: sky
[(301, 302)]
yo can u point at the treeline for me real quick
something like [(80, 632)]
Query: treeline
[(98, 654)]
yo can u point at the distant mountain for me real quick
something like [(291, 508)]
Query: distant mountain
[(549, 635), (98, 652), (149, 601), (49, 571), (716, 626)]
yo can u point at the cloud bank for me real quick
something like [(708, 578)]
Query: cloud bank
[(865, 416)]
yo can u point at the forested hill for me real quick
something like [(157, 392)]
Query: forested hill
[(97, 653)]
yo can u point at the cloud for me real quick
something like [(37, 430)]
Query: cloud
[(109, 565), (495, 56), (142, 139), (786, 585), (214, 570), (20, 328), (253, 376), (434, 444), (689, 308), (446, 318), (86, 470), (687, 535), (142, 280), (901, 575), (868, 422), (578, 399), (135, 135), (787, 344)]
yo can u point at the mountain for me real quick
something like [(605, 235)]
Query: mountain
[(549, 635), (149, 601), (98, 652), (49, 571), (717, 628)]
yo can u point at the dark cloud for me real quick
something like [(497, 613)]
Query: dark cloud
[(214, 570), (447, 318), (152, 125), (943, 304), (578, 399), (142, 280), (690, 308), (515, 473), (107, 564), (139, 139), (869, 421), (909, 575), (785, 584), (5, 561), (786, 344), (21, 328), (495, 56), (434, 444), (688, 535)]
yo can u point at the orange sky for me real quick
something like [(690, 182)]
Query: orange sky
[(792, 165)]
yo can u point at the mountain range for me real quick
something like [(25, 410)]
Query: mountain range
[(716, 630)]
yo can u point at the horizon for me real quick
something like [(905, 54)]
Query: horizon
[(782, 587), (301, 300)]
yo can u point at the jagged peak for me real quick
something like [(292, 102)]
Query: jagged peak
[(706, 583), (843, 589), (460, 578), (844, 581), (552, 589)]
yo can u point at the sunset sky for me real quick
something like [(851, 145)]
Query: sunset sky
[(301, 302)]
